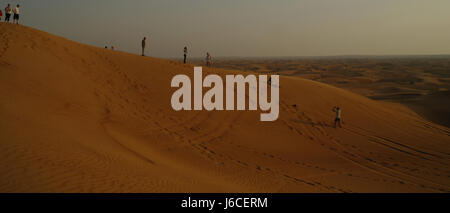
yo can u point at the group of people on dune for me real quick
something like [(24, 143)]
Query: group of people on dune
[(10, 11), (208, 58)]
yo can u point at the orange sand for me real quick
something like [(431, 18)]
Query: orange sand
[(77, 118)]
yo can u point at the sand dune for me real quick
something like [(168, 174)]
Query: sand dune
[(77, 118)]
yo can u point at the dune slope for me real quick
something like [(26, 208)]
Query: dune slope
[(77, 118)]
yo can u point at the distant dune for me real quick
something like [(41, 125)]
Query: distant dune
[(420, 82), (77, 118)]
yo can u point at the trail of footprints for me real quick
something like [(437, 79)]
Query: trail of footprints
[(4, 44), (340, 148)]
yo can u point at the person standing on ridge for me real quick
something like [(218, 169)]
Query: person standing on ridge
[(8, 12), (208, 59), (338, 116), (16, 14), (1, 15), (185, 54), (143, 45)]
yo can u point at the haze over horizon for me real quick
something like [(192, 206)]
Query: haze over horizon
[(254, 28)]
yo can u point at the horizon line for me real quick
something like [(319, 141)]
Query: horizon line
[(325, 56)]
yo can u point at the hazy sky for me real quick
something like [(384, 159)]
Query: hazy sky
[(249, 27)]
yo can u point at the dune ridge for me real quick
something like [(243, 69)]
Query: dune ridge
[(77, 118)]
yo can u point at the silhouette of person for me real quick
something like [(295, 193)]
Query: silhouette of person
[(337, 119), (143, 45), (185, 54)]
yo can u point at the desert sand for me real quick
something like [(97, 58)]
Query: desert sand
[(78, 118)]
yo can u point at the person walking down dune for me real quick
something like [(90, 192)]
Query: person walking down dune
[(208, 59), (143, 45), (16, 14), (185, 54), (8, 12), (337, 120)]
